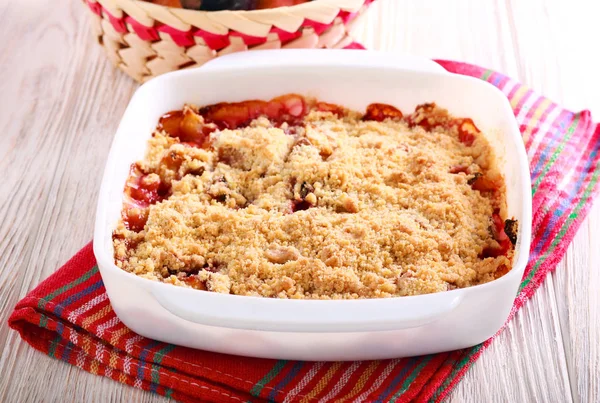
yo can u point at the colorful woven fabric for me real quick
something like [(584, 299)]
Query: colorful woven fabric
[(69, 316)]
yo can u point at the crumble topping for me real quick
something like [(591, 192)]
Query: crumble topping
[(315, 201)]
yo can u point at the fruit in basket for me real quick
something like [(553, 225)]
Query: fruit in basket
[(262, 4), (216, 5), (167, 3), (191, 4)]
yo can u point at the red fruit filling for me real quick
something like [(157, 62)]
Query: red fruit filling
[(188, 127), (500, 236), (466, 131), (289, 109), (380, 112), (170, 122), (141, 190), (325, 107)]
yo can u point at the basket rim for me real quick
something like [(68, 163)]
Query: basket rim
[(344, 4), (251, 22)]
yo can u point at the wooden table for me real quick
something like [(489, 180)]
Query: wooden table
[(61, 101)]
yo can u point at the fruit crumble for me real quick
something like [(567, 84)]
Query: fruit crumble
[(295, 198)]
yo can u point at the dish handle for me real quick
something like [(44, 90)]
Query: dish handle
[(305, 316)]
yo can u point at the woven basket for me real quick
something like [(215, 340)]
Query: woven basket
[(145, 40)]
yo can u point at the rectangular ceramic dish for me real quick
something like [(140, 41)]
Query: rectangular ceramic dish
[(314, 329)]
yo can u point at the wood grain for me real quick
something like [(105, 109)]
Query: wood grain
[(60, 102)]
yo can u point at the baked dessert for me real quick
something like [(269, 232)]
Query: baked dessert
[(295, 198)]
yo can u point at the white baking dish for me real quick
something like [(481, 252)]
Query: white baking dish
[(314, 329)]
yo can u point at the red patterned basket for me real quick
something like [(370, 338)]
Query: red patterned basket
[(145, 40)]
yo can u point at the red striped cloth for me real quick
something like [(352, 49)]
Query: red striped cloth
[(69, 316)]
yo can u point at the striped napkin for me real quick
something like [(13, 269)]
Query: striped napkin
[(69, 316)]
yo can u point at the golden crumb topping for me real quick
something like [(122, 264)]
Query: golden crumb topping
[(335, 205)]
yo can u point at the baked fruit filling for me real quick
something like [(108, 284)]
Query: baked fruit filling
[(296, 198)]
